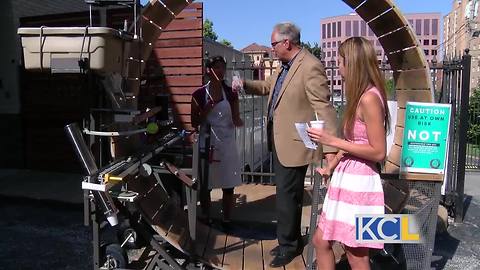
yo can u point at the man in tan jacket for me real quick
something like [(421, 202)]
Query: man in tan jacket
[(296, 92)]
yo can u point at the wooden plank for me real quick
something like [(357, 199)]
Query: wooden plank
[(353, 3), (233, 258), (398, 40), (422, 177), (202, 232), (183, 24), (180, 34), (412, 79), (194, 61), (192, 6), (267, 246), (295, 264), (388, 22), (401, 117), (182, 108), (187, 80), (158, 14), (186, 90), (180, 98), (189, 13), (252, 254), (395, 154), (183, 118), (178, 235), (372, 8), (215, 247), (182, 70), (404, 96), (178, 52), (398, 136), (179, 42), (407, 59), (175, 6)]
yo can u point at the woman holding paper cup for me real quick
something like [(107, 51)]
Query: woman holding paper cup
[(354, 183)]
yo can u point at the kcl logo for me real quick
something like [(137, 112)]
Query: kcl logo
[(386, 229)]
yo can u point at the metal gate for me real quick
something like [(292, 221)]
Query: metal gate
[(463, 150), (450, 79)]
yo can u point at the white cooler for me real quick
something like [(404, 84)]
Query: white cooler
[(61, 49)]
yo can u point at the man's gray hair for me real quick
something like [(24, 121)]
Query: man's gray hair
[(288, 30)]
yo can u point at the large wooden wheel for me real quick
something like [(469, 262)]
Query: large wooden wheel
[(405, 56), (411, 77)]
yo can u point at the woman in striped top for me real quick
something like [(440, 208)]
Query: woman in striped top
[(354, 186)]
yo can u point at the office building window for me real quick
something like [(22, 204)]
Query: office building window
[(324, 26), (339, 29), (434, 52), (426, 27), (434, 42), (355, 28), (426, 42), (329, 54), (334, 54), (434, 26), (328, 44), (328, 73), (363, 29), (339, 82), (426, 52), (418, 27), (323, 45), (348, 28), (334, 30), (329, 30)]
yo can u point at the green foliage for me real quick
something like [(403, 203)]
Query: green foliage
[(390, 89), (473, 133), (208, 30), (226, 43), (315, 49)]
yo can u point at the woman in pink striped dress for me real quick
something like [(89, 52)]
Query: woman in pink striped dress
[(355, 186)]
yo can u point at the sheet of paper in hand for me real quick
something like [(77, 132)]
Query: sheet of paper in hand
[(302, 132)]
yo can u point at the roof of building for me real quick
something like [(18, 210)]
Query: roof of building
[(254, 47)]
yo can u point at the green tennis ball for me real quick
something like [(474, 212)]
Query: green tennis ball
[(152, 128)]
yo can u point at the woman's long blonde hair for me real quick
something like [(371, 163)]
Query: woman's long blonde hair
[(361, 67)]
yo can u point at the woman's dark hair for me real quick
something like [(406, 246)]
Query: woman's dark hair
[(211, 61)]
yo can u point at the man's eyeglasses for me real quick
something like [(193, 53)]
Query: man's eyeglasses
[(276, 42)]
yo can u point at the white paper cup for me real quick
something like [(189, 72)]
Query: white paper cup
[(317, 124)]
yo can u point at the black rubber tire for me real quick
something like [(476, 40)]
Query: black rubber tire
[(115, 257)]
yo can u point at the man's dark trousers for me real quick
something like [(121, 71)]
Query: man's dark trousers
[(289, 186)]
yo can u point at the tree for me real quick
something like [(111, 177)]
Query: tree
[(315, 49), (208, 30), (473, 133), (226, 42)]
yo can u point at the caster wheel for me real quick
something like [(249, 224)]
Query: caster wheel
[(115, 257)]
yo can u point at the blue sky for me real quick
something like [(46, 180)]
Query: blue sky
[(248, 21)]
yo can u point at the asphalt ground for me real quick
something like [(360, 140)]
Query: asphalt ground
[(41, 233)]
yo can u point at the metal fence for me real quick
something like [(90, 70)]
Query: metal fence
[(251, 139)]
